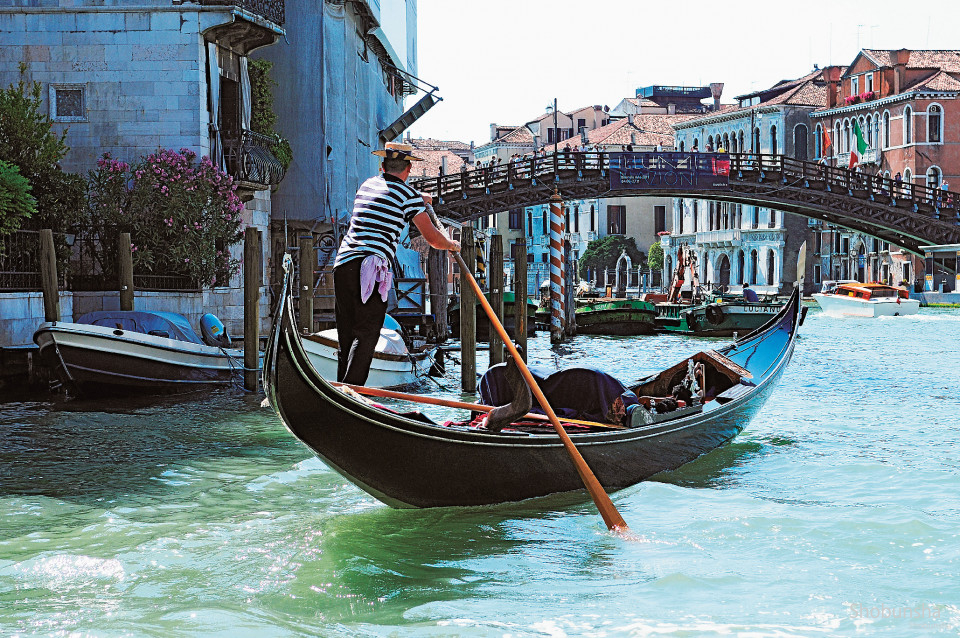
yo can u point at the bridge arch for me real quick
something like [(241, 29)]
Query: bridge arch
[(900, 213)]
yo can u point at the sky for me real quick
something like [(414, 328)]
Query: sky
[(504, 61)]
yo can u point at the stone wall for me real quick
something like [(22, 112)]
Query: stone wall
[(141, 70)]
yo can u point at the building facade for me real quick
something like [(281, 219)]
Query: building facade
[(906, 104), (736, 243), (130, 77)]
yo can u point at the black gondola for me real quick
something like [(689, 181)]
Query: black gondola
[(410, 463)]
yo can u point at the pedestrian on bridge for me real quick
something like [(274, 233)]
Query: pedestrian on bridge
[(363, 270)]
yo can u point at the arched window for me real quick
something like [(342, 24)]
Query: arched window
[(800, 142), (836, 138), (756, 140), (908, 180), (771, 264), (934, 124), (934, 177), (876, 128), (907, 125), (818, 142), (773, 218), (696, 143), (740, 141), (773, 139), (753, 266), (681, 146), (741, 276), (669, 263), (710, 142), (886, 129), (695, 215), (593, 223), (846, 136), (566, 219), (726, 142), (869, 130)]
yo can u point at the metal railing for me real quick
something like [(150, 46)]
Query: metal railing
[(249, 157)]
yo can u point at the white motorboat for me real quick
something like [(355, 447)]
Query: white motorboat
[(855, 299), (393, 365), (110, 352)]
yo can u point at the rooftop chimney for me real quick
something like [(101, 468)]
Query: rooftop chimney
[(832, 75), (671, 109), (630, 119), (493, 132), (900, 59), (716, 90)]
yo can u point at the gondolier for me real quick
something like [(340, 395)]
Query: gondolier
[(363, 270)]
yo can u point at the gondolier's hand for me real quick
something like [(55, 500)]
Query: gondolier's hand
[(454, 246), (427, 199)]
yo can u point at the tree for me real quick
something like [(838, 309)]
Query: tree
[(27, 141), (655, 256), (604, 252), (16, 202)]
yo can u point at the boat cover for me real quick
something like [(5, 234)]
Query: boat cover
[(176, 326), (575, 393)]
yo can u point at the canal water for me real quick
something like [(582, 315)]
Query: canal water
[(835, 513)]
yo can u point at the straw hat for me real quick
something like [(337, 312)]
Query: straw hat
[(398, 150)]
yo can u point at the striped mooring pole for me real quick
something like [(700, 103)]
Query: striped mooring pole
[(556, 269)]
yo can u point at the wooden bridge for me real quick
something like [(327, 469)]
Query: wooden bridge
[(905, 215)]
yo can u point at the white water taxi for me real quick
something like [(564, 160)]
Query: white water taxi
[(855, 299)]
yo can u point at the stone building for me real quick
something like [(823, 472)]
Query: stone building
[(907, 106), (131, 76), (737, 243)]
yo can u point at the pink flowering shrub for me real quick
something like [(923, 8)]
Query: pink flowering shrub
[(182, 216)]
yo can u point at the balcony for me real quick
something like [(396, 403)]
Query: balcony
[(730, 237), (247, 25), (250, 161)]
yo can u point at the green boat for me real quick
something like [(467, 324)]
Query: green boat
[(719, 318), (623, 317), (483, 323)]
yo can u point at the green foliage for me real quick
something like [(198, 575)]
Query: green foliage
[(263, 117), (655, 256), (182, 216), (604, 252), (28, 142), (16, 202)]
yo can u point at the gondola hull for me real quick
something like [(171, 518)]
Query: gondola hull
[(407, 463)]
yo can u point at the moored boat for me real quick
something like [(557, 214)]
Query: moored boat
[(854, 299), (721, 317), (118, 352), (394, 364), (623, 317), (406, 460)]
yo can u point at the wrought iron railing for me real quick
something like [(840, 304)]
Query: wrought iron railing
[(272, 10), (249, 157)]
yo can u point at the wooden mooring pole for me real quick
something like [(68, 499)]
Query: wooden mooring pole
[(437, 261), (252, 279), (496, 297), (308, 259), (48, 276), (520, 295), (125, 254), (468, 315)]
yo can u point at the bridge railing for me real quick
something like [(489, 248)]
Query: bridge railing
[(561, 166), (941, 204)]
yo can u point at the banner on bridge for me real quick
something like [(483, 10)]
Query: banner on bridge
[(670, 171)]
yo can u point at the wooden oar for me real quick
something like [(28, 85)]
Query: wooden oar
[(476, 407), (602, 500)]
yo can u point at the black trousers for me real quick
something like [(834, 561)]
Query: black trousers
[(358, 323)]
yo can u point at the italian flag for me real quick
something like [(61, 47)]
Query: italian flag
[(859, 146)]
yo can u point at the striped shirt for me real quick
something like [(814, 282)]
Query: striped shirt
[(385, 204)]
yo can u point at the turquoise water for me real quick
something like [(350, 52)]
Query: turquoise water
[(836, 513)]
